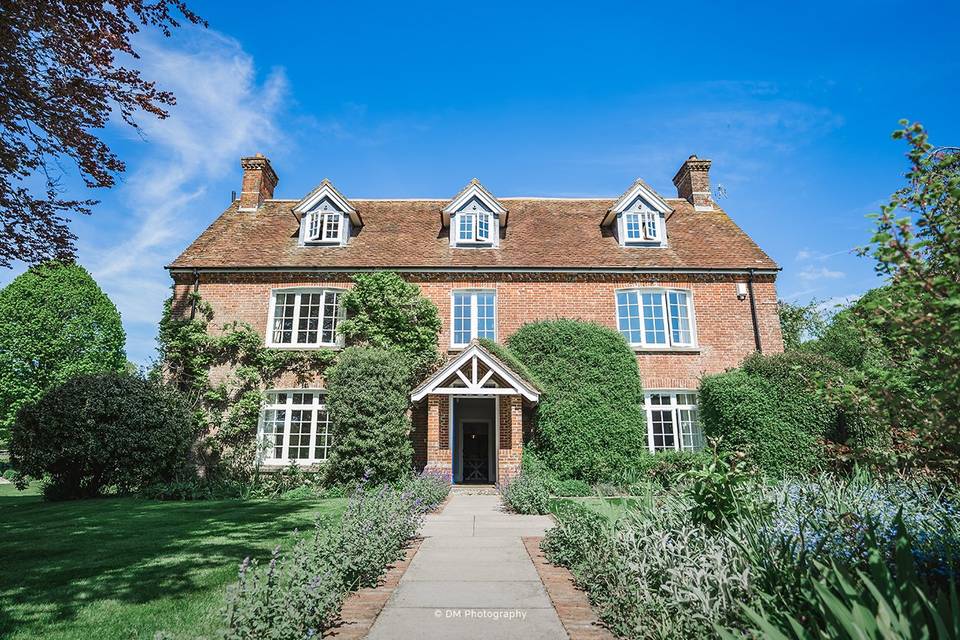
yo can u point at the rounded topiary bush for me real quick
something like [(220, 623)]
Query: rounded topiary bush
[(367, 399), (592, 404), (103, 431)]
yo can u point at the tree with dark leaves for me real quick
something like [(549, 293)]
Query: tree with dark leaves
[(61, 79)]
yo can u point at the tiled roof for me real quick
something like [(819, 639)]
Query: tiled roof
[(542, 233)]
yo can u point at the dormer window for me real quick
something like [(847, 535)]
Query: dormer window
[(638, 217), (327, 217), (474, 218)]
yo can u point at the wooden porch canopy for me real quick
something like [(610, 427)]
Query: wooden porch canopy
[(476, 372)]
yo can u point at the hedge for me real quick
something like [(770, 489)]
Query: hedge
[(368, 401), (772, 410), (591, 409)]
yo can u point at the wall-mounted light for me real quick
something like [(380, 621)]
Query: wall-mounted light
[(741, 291)]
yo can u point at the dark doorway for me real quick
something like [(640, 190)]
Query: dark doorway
[(476, 452)]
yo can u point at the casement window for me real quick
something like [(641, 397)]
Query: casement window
[(474, 316), (324, 226), (672, 421), (655, 318), (294, 427), (474, 227), (304, 318), (641, 227)]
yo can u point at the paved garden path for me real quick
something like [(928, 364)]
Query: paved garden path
[(472, 578)]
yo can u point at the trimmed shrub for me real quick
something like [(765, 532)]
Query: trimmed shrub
[(102, 431), (367, 399), (383, 310), (572, 488), (55, 324), (772, 409), (591, 409)]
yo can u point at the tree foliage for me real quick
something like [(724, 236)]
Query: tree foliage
[(62, 82), (385, 311), (916, 247), (591, 412), (104, 430), (368, 399), (799, 322), (55, 323)]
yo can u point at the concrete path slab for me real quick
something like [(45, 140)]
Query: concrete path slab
[(472, 578)]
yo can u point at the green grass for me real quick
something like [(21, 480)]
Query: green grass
[(611, 508), (124, 568)]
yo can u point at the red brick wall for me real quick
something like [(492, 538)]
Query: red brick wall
[(418, 434), (724, 328)]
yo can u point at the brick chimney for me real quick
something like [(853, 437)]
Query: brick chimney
[(259, 180), (693, 183)]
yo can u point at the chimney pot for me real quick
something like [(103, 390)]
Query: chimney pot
[(693, 183), (259, 181)]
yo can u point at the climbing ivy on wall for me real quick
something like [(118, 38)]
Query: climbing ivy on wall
[(225, 374)]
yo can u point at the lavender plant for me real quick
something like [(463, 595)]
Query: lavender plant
[(298, 593)]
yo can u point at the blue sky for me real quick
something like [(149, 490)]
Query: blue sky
[(794, 104)]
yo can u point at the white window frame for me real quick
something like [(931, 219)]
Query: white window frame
[(674, 407), (665, 307), (474, 314), (317, 405), (319, 224), (299, 292), (474, 227)]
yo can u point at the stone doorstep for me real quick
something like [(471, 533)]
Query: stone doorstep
[(362, 607), (572, 604)]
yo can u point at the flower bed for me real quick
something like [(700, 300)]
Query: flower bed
[(655, 572), (298, 593)]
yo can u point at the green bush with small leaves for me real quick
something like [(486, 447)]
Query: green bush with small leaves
[(591, 408), (385, 311), (773, 410), (103, 431), (367, 398)]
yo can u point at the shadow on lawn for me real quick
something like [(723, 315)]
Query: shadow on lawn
[(59, 557)]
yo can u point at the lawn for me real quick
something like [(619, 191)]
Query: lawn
[(124, 568), (611, 508)]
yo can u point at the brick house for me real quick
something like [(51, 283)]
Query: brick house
[(689, 290)]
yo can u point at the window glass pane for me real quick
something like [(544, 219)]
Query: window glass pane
[(687, 398), (313, 227), (485, 313), (272, 436), (483, 227), (679, 318), (650, 226), (283, 318), (691, 435), (462, 320), (628, 316), (661, 428), (654, 327), (632, 223), (331, 226), (323, 442), (300, 434), (309, 318), (466, 226), (331, 316)]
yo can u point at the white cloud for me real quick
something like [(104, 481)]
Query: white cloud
[(803, 254), (836, 303), (810, 273), (222, 113)]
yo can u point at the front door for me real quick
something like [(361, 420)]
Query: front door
[(476, 452)]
